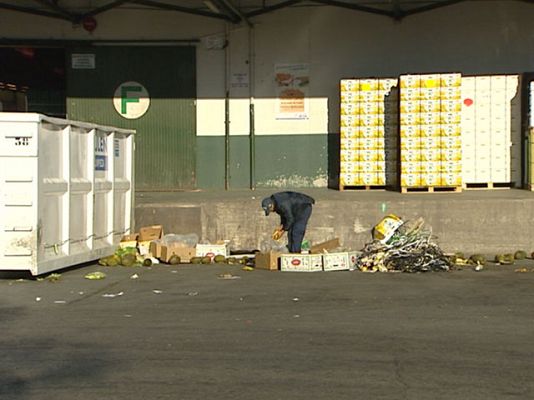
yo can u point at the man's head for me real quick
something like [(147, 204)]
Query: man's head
[(268, 205)]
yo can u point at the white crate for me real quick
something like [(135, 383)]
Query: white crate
[(67, 191), (212, 250), (336, 261), (301, 262)]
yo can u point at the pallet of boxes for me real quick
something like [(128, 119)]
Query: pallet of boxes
[(325, 256), (430, 133)]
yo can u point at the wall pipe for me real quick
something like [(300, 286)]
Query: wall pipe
[(252, 136)]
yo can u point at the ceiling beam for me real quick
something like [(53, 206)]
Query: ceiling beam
[(104, 8), (60, 10), (428, 7), (227, 9), (234, 10), (33, 11), (171, 7), (352, 6), (275, 7)]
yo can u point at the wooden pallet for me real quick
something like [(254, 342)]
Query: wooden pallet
[(362, 187), (431, 189), (488, 185)]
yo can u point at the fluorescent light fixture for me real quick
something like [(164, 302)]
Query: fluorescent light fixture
[(212, 6)]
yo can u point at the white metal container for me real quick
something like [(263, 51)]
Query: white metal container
[(66, 191)]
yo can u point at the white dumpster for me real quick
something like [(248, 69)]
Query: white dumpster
[(66, 191)]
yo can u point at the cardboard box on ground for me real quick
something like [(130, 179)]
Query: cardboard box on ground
[(321, 258)]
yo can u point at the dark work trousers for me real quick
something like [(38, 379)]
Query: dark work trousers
[(297, 231)]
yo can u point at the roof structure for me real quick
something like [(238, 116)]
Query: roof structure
[(234, 11)]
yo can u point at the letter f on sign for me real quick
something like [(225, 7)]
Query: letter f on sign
[(125, 99)]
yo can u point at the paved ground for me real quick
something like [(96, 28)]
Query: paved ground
[(184, 333)]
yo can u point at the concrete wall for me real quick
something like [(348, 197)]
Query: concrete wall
[(482, 37)]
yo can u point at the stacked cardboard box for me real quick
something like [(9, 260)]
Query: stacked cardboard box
[(369, 126), (430, 135), (491, 129)]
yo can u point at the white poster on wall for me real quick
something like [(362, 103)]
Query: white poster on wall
[(292, 86)]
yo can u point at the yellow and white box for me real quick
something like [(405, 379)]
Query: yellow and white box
[(349, 179), (454, 106), (451, 130), (370, 144), (410, 131), (371, 107), (370, 119), (387, 83), (369, 132), (348, 144), (451, 180), (430, 180), (451, 80), (372, 155), (410, 180), (430, 167), (451, 154), (410, 119), (349, 155), (430, 155), (410, 144), (411, 167), (430, 81), (449, 118), (348, 167), (430, 94), (430, 143), (370, 178), (301, 262), (410, 156), (365, 166), (410, 106), (450, 93), (349, 85), (430, 106), (349, 132), (368, 96), (349, 97), (349, 121), (451, 167), (433, 130), (336, 261), (410, 94), (349, 108), (410, 81), (379, 167), (451, 142), (430, 118), (367, 85)]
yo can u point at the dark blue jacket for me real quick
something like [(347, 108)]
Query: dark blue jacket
[(290, 206)]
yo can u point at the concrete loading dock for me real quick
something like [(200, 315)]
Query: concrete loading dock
[(472, 221)]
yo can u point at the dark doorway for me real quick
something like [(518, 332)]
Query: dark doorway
[(38, 75)]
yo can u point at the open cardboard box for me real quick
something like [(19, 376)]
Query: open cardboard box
[(185, 253), (267, 261), (325, 246)]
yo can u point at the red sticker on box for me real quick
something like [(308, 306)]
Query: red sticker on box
[(295, 262), (468, 102)]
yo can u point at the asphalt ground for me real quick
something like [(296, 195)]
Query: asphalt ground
[(183, 332)]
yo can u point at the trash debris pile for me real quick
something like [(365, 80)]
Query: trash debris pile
[(403, 246)]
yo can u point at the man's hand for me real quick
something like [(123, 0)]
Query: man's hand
[(278, 233)]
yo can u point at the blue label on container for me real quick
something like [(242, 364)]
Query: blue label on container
[(101, 163)]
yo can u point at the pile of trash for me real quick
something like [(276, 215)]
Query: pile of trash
[(403, 246)]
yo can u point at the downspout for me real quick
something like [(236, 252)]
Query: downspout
[(226, 115), (252, 136)]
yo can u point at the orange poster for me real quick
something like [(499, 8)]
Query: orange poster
[(292, 83)]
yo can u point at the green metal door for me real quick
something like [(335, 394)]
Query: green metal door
[(114, 85)]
